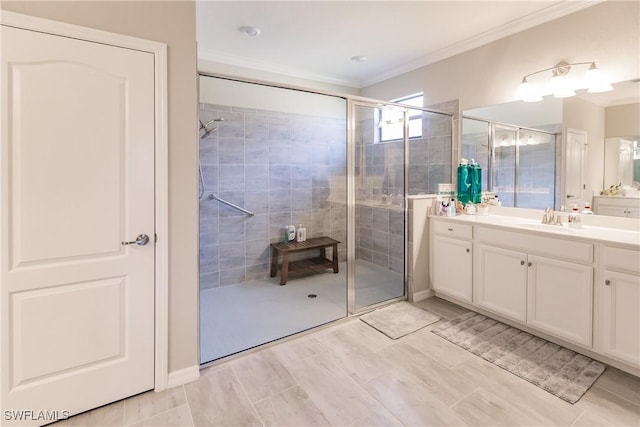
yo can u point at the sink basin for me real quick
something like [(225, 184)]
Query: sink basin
[(547, 227)]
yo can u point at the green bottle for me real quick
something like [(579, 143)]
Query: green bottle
[(464, 182)]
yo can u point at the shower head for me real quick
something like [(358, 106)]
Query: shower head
[(207, 132), (205, 126)]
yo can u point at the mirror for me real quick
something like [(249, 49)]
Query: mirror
[(621, 118), (622, 164)]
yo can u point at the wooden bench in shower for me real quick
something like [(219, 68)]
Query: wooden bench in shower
[(313, 265)]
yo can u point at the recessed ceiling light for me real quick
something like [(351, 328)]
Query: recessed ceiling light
[(249, 31), (358, 58)]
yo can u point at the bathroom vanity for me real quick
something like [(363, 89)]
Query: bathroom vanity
[(577, 287), (628, 207)]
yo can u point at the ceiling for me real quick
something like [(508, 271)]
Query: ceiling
[(317, 39)]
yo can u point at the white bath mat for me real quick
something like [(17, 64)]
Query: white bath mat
[(399, 319)]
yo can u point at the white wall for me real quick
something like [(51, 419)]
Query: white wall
[(261, 97), (622, 120)]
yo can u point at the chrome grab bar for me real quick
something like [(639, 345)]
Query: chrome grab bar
[(224, 202)]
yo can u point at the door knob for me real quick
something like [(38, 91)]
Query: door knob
[(141, 240)]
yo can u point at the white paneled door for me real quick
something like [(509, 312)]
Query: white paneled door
[(76, 182)]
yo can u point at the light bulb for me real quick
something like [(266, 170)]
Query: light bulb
[(527, 93), (595, 81), (560, 87)]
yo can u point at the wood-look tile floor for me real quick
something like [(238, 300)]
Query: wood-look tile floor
[(351, 375)]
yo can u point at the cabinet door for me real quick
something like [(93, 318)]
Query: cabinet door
[(501, 284), (560, 298), (613, 211), (451, 261), (619, 317)]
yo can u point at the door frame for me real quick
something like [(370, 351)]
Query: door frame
[(159, 52), (565, 166)]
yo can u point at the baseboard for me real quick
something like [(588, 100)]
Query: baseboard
[(183, 376), (422, 295)]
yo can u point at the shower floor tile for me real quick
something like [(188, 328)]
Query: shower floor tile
[(238, 317)]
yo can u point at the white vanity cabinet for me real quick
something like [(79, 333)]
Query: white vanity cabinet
[(501, 281), (560, 298), (628, 207), (619, 304), (578, 288), (542, 281), (451, 258)]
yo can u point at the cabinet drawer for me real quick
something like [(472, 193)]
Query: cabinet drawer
[(451, 229), (546, 246), (620, 259)]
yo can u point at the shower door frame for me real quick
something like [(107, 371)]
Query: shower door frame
[(517, 129), (352, 103)]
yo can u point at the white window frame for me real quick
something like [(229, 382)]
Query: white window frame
[(413, 118)]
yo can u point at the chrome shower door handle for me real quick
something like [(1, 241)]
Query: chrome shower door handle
[(141, 240)]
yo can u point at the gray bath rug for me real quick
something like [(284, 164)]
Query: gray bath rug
[(562, 372), (399, 319)]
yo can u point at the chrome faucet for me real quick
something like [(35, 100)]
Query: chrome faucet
[(549, 217)]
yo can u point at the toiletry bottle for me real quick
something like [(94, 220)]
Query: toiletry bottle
[(299, 233), (587, 209), (304, 233), (574, 219), (476, 182), (464, 182), (285, 233), (452, 207), (292, 233)]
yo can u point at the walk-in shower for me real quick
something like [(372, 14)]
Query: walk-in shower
[(289, 157)]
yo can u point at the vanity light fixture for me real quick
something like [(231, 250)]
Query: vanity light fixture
[(561, 84)]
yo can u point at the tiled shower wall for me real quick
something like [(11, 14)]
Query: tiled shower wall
[(287, 168)]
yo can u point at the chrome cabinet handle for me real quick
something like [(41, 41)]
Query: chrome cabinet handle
[(521, 262), (450, 229), (529, 264), (468, 250), (141, 240), (607, 282)]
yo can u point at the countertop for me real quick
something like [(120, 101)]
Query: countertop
[(531, 226)]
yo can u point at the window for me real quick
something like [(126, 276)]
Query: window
[(390, 121)]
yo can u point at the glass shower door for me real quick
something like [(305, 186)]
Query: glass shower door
[(379, 187), (504, 165)]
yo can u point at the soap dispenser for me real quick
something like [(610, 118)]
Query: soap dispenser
[(575, 219)]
